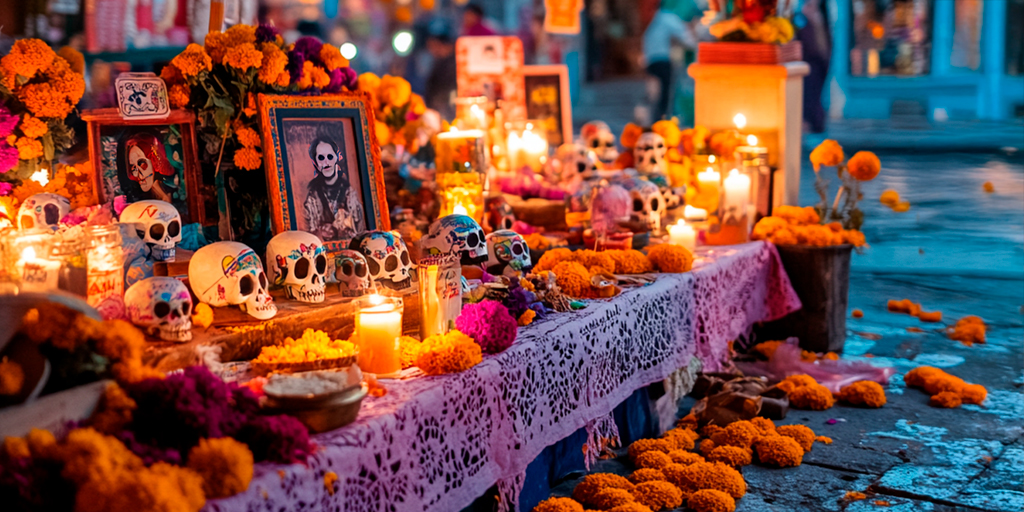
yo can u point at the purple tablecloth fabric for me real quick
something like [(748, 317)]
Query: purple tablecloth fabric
[(437, 443)]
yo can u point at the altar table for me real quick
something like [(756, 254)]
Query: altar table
[(437, 443)]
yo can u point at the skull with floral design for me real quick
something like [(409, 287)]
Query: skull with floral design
[(297, 260), (458, 234), (507, 253), (387, 257), (231, 274)]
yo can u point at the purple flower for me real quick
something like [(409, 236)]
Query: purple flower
[(149, 454), (309, 48), (489, 324), (7, 122), (276, 438), (8, 157), (337, 80), (266, 33), (5, 188), (294, 66)]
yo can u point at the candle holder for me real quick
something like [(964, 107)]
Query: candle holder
[(27, 261), (70, 251), (461, 172), (754, 162), (527, 145), (471, 113), (730, 223), (105, 270), (378, 328), (440, 287)]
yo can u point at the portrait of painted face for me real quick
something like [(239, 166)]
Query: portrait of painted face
[(326, 159), (145, 158)]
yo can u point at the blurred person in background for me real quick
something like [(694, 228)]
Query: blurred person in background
[(442, 79), (473, 22), (813, 33), (666, 27)]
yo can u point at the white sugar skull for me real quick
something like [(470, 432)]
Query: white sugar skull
[(609, 207), (352, 272), (157, 223), (499, 214), (458, 234), (231, 274), (42, 211), (297, 261), (576, 162), (162, 307), (597, 137), (649, 154), (648, 205), (507, 253), (387, 257)]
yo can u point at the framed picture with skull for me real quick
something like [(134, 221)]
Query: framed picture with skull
[(145, 159), (323, 168), (548, 100)]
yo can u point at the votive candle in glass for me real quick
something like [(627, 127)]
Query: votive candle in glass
[(461, 172), (378, 328)]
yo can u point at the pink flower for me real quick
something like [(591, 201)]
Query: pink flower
[(7, 122), (8, 156), (489, 324), (5, 188)]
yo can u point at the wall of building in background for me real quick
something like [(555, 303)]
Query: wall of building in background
[(927, 59)]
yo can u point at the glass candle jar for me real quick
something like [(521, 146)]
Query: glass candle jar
[(105, 275), (461, 172), (29, 262), (471, 113), (527, 146), (440, 287), (72, 255), (378, 328), (731, 224)]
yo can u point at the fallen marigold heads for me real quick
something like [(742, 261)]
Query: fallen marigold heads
[(652, 459), (588, 488), (946, 399), (855, 496), (711, 500), (646, 475), (707, 475), (815, 397), (801, 433), (611, 498), (738, 433), (558, 505), (684, 457), (823, 439), (779, 451), (968, 330), (731, 455), (974, 394), (946, 390), (631, 507), (643, 445), (226, 466), (668, 258), (681, 438), (658, 495), (865, 392)]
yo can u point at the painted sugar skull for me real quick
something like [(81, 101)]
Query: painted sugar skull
[(42, 211), (387, 258), (649, 154), (576, 161), (297, 261), (648, 205), (499, 214), (507, 253), (162, 307), (352, 273), (597, 137), (609, 206), (157, 223), (231, 274), (458, 234)]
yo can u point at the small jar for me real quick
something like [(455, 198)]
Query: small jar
[(73, 258), (105, 277)]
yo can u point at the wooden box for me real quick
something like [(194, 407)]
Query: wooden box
[(721, 52)]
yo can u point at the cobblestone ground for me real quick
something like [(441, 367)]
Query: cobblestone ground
[(958, 250)]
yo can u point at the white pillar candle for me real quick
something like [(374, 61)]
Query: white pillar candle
[(737, 192), (695, 214), (378, 327), (37, 274), (683, 234)]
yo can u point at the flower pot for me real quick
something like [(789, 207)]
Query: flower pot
[(821, 278)]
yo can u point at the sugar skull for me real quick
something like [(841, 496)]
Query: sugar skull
[(507, 253), (458, 234), (649, 154), (157, 223), (597, 137), (42, 211), (297, 261), (162, 307), (647, 205), (609, 206), (576, 162), (146, 158), (352, 273), (499, 214), (231, 274), (387, 258)]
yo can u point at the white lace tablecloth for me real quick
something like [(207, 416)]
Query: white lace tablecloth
[(438, 443)]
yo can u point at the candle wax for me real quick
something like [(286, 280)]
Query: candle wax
[(379, 328)]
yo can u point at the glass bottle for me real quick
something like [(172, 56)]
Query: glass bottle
[(105, 278)]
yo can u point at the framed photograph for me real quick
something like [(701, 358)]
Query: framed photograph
[(547, 100), (323, 166), (492, 66), (146, 159)]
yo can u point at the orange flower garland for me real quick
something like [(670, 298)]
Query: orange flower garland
[(448, 353)]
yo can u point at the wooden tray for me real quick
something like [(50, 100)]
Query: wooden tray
[(721, 52), (264, 369)]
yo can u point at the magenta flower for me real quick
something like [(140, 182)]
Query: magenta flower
[(489, 324), (7, 122), (8, 157)]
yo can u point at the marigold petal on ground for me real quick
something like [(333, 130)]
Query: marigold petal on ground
[(652, 459), (670, 258), (946, 399), (779, 451), (558, 505), (816, 397), (801, 433), (658, 495), (731, 455), (646, 475), (225, 464), (738, 433), (587, 489), (684, 457), (711, 500), (865, 392)]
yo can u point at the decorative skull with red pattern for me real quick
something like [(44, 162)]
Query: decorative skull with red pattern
[(231, 274), (162, 307), (598, 137), (458, 234), (157, 223), (507, 253), (499, 214), (42, 211), (387, 257), (297, 260)]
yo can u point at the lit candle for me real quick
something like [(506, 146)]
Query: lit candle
[(459, 209), (752, 140), (683, 234), (740, 121), (378, 327), (461, 172), (478, 116), (707, 189), (737, 192), (528, 149), (695, 214), (431, 322), (37, 274), (873, 62)]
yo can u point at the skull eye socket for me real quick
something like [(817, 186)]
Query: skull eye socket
[(595, 143), (517, 248), (246, 285), (405, 257), (638, 205), (347, 268), (507, 223), (302, 268), (581, 167), (186, 308), (263, 280), (374, 266), (161, 309), (655, 204), (391, 263), (321, 264), (141, 233), (174, 228), (156, 231), (360, 269), (52, 213), (472, 239)]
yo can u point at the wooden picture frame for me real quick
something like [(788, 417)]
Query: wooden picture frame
[(537, 84), (299, 130), (167, 144), (497, 77)]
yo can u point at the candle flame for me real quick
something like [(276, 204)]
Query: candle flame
[(42, 177), (376, 300), (460, 210), (711, 159), (734, 172), (28, 254), (740, 121), (453, 129), (751, 140)]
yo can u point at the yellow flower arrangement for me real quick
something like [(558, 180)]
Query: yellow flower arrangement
[(74, 57), (311, 346), (313, 76), (29, 148), (240, 35), (27, 57), (273, 65), (448, 353), (32, 127), (225, 465), (243, 57), (670, 258), (216, 46), (408, 351), (247, 136), (192, 61), (828, 153), (331, 57), (573, 278)]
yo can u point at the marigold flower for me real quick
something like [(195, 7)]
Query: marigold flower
[(946, 399), (768, 226), (796, 381), (591, 259), (646, 475), (394, 91), (12, 377), (273, 63), (408, 351), (889, 197), (645, 445), (248, 137), (854, 496), (738, 433), (202, 315), (572, 278), (553, 257), (864, 165), (448, 353), (630, 507), (797, 216), (32, 127), (968, 330), (779, 451), (685, 458), (706, 446), (658, 495), (369, 83), (331, 57), (668, 130), (611, 498), (853, 237), (974, 394), (526, 318), (557, 504), (801, 433), (586, 490), (114, 411), (216, 45), (901, 207), (670, 258), (816, 397), (707, 475), (240, 34), (243, 57), (652, 459), (828, 153), (734, 456), (865, 392), (988, 187), (249, 159), (930, 316), (17, 448), (724, 143), (65, 82), (681, 439), (711, 500), (630, 133), (192, 61), (27, 57), (43, 100), (313, 345), (226, 466), (29, 148)]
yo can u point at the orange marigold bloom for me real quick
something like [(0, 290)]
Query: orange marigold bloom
[(763, 425), (988, 187), (611, 498), (646, 445), (313, 76), (553, 257), (930, 316), (630, 133), (448, 353), (801, 433), (646, 475), (889, 197), (768, 226), (273, 64), (853, 237), (681, 439), (248, 137), (558, 505), (12, 377), (855, 496), (114, 411), (171, 75), (526, 318), (216, 45), (591, 484), (591, 259), (711, 500), (572, 278), (192, 61), (816, 397), (240, 34), (283, 80), (946, 399), (331, 57), (731, 455), (179, 95), (44, 100), (408, 351), (652, 459), (74, 57), (864, 165), (394, 91), (724, 143), (968, 330), (707, 475), (706, 446), (797, 216), (779, 451), (65, 81), (226, 466), (828, 153), (658, 495), (784, 237), (684, 457), (630, 507), (738, 433), (668, 258), (17, 448), (29, 148), (669, 130), (32, 127), (243, 57), (823, 439), (28, 57), (249, 159), (865, 392), (974, 394), (918, 376), (797, 381), (767, 348)]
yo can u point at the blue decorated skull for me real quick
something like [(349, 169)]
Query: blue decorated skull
[(458, 234), (507, 253), (387, 257)]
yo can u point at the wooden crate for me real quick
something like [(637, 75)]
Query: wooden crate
[(721, 52)]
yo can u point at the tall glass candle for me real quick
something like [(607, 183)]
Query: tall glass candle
[(378, 328), (38, 274), (707, 190), (527, 146), (683, 234), (461, 172), (105, 271)]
